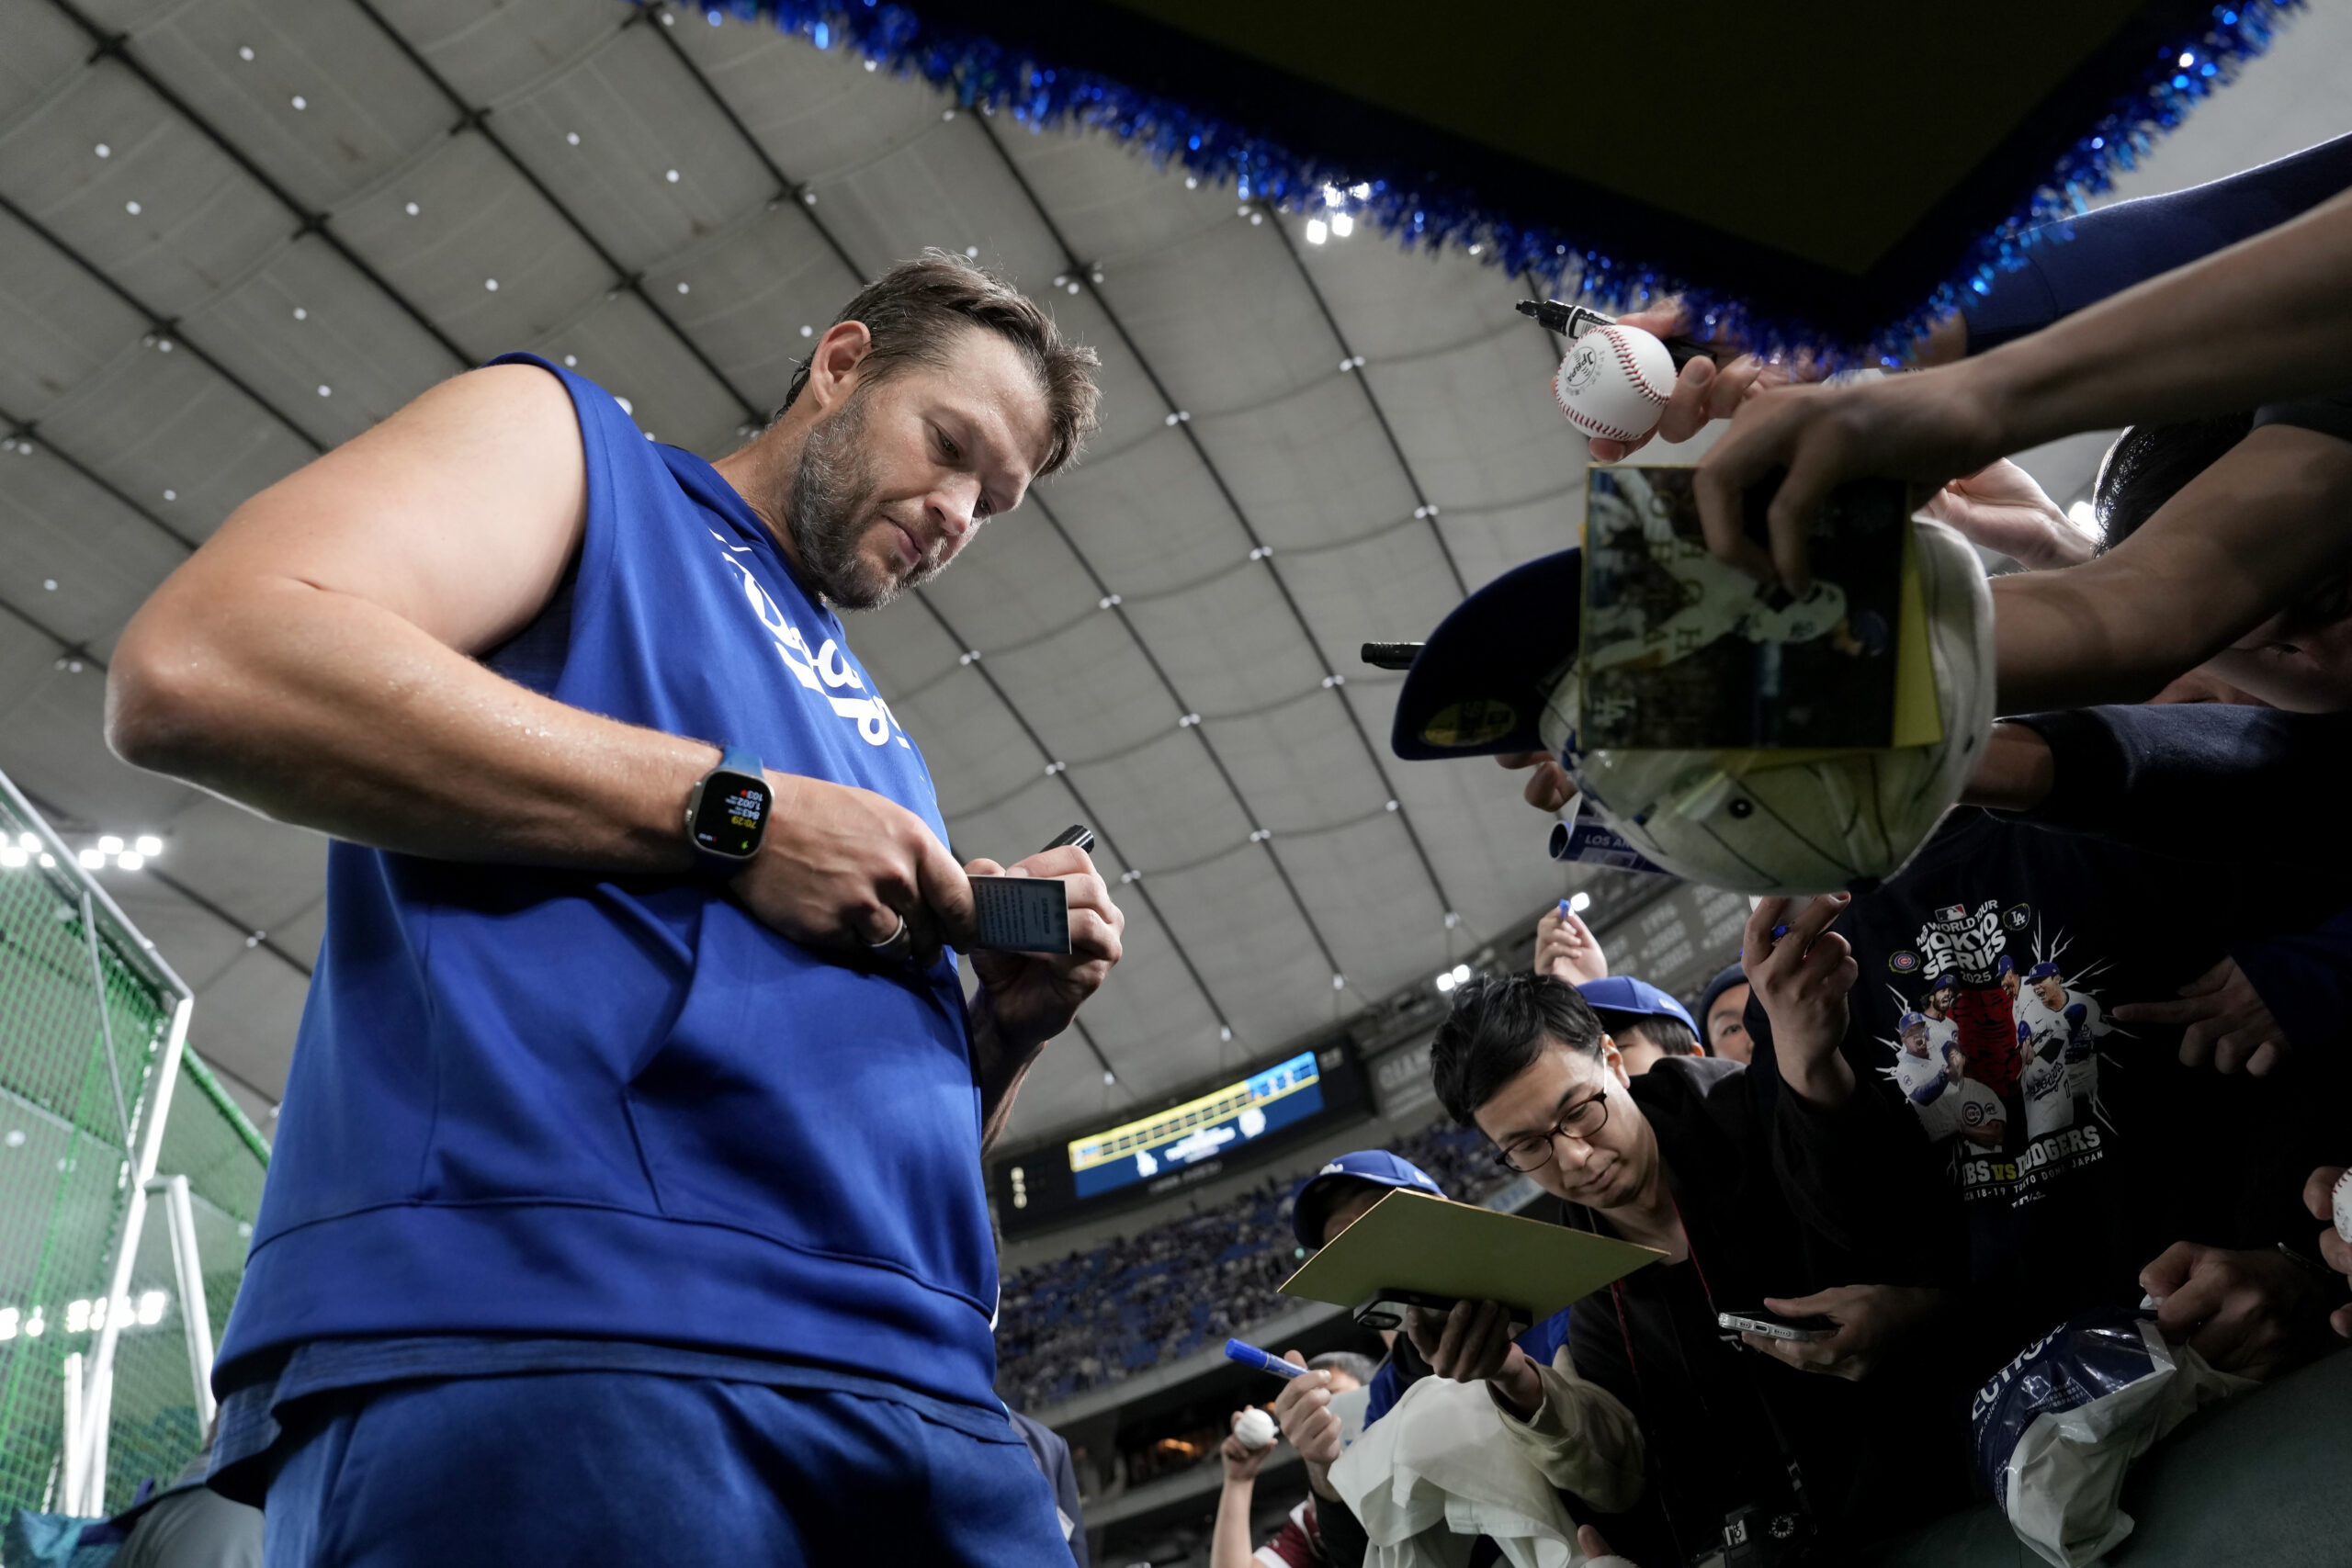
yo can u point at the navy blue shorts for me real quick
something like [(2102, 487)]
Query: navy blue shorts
[(644, 1470)]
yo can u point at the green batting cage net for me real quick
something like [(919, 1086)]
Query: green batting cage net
[(92, 1065)]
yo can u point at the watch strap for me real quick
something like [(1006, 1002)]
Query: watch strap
[(734, 759)]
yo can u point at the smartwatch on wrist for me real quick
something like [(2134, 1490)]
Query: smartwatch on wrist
[(728, 812)]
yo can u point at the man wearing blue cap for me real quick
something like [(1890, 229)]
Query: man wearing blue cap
[(1579, 1435), (1646, 1024)]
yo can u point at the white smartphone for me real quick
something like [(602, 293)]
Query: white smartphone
[(1772, 1326)]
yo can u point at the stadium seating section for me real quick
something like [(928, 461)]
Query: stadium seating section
[(1098, 1316)]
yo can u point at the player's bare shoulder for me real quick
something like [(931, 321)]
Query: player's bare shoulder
[(459, 512)]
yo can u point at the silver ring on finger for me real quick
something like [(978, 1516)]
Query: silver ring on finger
[(897, 944)]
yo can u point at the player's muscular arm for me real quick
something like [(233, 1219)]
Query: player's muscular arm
[(315, 660)]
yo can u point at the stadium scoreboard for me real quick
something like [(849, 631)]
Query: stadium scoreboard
[(1227, 1128)]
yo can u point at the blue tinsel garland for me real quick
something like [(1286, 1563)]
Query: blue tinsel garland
[(981, 72)]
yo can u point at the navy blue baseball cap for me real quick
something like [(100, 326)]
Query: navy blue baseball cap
[(1623, 993), (1320, 1191), (1478, 685)]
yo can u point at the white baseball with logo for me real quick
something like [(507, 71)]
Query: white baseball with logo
[(2343, 1206), (1255, 1430), (1614, 382)]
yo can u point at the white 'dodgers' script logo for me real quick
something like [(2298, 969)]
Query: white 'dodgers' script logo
[(824, 671)]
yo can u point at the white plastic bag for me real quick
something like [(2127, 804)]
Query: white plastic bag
[(1437, 1472), (2058, 1426)]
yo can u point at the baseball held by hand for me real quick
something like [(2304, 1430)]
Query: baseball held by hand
[(1254, 1428), (1614, 383)]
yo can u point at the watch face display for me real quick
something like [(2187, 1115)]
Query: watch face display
[(729, 816)]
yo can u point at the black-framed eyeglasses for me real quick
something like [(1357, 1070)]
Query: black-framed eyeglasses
[(1580, 1122)]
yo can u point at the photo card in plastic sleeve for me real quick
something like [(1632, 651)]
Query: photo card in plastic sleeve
[(1682, 652), (1022, 914)]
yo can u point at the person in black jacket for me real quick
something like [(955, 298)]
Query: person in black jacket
[(2124, 1164), (1679, 1159)]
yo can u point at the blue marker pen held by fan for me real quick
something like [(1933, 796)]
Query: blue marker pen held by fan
[(1251, 1356)]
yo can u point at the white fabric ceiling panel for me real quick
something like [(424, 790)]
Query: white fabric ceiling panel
[(1301, 764), (59, 323), (1105, 206), (199, 220), (1313, 470), (245, 1009), (817, 113), (265, 871), (352, 340), (961, 719), (200, 948), (44, 60), (1348, 595), (1241, 928), (1217, 348), (904, 645), (1087, 691), (1371, 900), (1231, 645), (1489, 539), (156, 421), (300, 934), (53, 746), (1014, 582), (477, 223), (365, 110), (102, 560), (945, 187), (498, 52), (1487, 845), (1164, 804), (648, 119), (1147, 517), (754, 288), (28, 660), (624, 348)]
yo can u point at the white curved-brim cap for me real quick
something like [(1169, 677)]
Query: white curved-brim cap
[(1787, 822)]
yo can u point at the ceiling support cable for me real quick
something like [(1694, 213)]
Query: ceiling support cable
[(1089, 815), (1257, 544), (162, 327), (648, 13), (1352, 363), (117, 48), (28, 432), (476, 118), (1191, 720)]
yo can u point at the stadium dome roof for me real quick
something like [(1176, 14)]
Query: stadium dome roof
[(234, 233)]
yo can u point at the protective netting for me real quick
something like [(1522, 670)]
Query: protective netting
[(77, 1082)]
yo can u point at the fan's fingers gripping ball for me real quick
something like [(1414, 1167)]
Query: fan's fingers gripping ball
[(1614, 382)]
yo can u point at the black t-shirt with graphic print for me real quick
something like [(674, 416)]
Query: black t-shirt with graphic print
[(2076, 1147)]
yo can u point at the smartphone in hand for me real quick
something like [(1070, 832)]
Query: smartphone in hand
[(1773, 1325)]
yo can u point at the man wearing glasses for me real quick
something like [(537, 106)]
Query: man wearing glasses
[(1677, 1158)]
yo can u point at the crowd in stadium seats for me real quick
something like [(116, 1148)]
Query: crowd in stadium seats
[(1100, 1316)]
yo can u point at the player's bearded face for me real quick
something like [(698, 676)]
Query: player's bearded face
[(833, 512)]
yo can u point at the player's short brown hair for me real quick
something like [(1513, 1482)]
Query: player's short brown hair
[(915, 309)]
